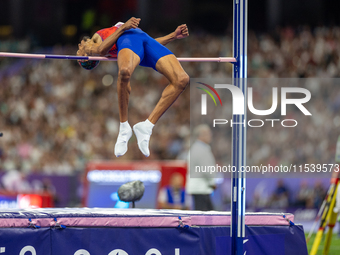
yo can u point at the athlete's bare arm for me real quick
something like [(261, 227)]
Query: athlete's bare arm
[(180, 32), (112, 39)]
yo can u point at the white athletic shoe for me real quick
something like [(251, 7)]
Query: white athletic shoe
[(125, 133), (143, 131)]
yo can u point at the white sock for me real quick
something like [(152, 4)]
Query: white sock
[(149, 124), (143, 131), (125, 133)]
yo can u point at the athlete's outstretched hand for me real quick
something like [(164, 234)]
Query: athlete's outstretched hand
[(131, 23), (181, 31)]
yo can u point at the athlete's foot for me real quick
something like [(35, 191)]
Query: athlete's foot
[(143, 131), (125, 133)]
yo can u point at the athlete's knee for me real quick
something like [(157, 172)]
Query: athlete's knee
[(182, 81), (124, 73)]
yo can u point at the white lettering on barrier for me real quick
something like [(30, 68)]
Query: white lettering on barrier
[(82, 252), (153, 251), (118, 252), (26, 249)]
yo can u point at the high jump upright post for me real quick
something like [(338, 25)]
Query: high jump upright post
[(239, 131)]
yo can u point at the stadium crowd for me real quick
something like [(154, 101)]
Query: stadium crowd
[(55, 116)]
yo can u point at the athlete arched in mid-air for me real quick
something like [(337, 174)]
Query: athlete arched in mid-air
[(134, 47)]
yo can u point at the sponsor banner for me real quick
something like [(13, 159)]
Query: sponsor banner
[(283, 240), (123, 241)]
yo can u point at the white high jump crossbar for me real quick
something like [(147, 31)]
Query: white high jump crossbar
[(43, 56)]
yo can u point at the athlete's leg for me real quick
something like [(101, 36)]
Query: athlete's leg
[(127, 62), (173, 71)]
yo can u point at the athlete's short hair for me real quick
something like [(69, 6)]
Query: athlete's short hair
[(88, 64)]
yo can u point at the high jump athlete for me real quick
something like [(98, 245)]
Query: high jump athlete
[(134, 47)]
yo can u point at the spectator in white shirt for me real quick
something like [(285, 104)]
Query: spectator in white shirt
[(201, 155)]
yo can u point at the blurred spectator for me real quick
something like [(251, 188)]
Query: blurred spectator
[(261, 196), (15, 181), (280, 198), (202, 185), (48, 187), (319, 194), (173, 196), (305, 197)]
